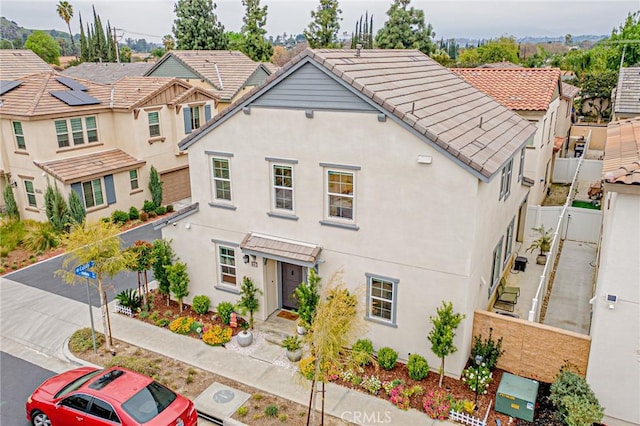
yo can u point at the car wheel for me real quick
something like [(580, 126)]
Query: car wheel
[(38, 418)]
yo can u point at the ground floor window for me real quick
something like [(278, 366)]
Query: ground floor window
[(381, 298), (227, 259), (93, 194), (31, 193), (497, 266)]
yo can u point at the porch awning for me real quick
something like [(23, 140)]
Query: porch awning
[(295, 252)]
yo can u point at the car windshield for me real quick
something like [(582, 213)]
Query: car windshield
[(77, 383), (149, 402)]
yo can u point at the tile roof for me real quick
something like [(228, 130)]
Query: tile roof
[(408, 85), (281, 248), (621, 163), (504, 64), (628, 91), (520, 89), (16, 63), (107, 72), (569, 91), (233, 68), (90, 166)]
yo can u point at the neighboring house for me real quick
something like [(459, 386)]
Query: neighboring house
[(534, 93), (107, 72), (379, 163), (614, 370), (228, 74), (15, 63), (626, 102), (566, 117), (99, 140)]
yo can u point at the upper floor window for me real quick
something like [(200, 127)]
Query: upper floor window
[(81, 132), (381, 298), (31, 193), (92, 192), (505, 182), (133, 179), (521, 166), (195, 116), (221, 179), (154, 124), (282, 187), (227, 260), (19, 135), (496, 268), (340, 194), (509, 241)]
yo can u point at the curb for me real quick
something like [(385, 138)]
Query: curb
[(73, 359)]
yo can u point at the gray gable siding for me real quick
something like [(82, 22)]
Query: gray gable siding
[(257, 78), (171, 67), (310, 88)]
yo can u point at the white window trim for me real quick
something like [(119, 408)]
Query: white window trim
[(505, 180), (275, 187), (327, 194), (102, 189), (496, 266), (214, 192), (394, 300), (220, 247), (85, 132), (27, 193)]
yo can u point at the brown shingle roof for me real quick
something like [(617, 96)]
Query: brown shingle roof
[(18, 63), (281, 248), (520, 89), (90, 166), (107, 72), (621, 162), (434, 102), (233, 68)]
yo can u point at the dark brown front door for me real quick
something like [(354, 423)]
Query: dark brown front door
[(291, 278)]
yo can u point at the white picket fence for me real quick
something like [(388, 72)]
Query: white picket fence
[(468, 419), (123, 310)]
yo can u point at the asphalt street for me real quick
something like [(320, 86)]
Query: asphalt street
[(42, 275)]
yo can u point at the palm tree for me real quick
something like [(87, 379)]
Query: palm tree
[(65, 11)]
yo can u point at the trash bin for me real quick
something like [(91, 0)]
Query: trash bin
[(520, 263)]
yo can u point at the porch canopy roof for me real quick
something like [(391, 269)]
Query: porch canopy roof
[(295, 252)]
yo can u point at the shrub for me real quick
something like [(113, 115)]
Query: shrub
[(479, 376), (77, 212), (160, 210), (399, 394), (581, 412), (155, 316), (371, 384), (169, 208), (162, 322), (224, 310), (216, 335), (362, 352), (271, 411), (152, 215), (119, 217), (307, 367), (437, 405), (243, 411), (129, 298), (574, 399), (418, 367), (81, 340), (387, 358), (181, 325), (489, 349), (148, 206), (10, 202), (144, 216), (41, 237), (155, 186), (134, 213), (201, 304), (135, 363)]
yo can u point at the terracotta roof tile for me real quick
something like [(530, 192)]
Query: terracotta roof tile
[(90, 166), (16, 63), (621, 163), (520, 89)]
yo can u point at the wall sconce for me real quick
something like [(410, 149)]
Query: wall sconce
[(13, 183), (245, 258)]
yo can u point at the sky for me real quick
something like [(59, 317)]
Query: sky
[(475, 19)]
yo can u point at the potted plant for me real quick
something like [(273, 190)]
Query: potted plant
[(245, 337), (307, 296), (293, 345), (542, 243), (249, 302)]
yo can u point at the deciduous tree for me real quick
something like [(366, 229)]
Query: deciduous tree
[(255, 45), (405, 29), (178, 281), (163, 255), (45, 46), (322, 32), (443, 332), (196, 27), (597, 87)]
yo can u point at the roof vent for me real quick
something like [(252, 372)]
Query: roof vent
[(358, 49)]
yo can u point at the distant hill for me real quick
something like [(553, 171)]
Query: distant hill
[(577, 39), (10, 30)]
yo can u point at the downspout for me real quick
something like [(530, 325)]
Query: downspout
[(113, 90)]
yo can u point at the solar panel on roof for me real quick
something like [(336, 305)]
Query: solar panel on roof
[(7, 86), (74, 97), (71, 83)]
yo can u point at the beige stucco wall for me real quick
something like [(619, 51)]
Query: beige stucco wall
[(533, 350), (598, 135), (614, 370), (432, 226)]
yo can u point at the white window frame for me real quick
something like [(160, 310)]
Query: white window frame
[(103, 194), (30, 193), (279, 187), (196, 120), (328, 195), (496, 266), (221, 180), (154, 127), (21, 143), (505, 180), (134, 179), (224, 254), (523, 152), (85, 134), (372, 280), (508, 245)]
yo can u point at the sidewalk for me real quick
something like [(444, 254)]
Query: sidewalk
[(353, 406)]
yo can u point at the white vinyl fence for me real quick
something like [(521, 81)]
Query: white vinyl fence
[(565, 169)]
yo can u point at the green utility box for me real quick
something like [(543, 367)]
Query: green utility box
[(517, 397)]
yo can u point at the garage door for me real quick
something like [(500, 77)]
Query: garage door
[(176, 185)]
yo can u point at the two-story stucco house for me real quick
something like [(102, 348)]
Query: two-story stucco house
[(379, 163), (535, 94), (614, 370), (99, 140), (228, 74)]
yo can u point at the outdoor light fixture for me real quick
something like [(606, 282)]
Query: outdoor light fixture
[(478, 361), (245, 258)]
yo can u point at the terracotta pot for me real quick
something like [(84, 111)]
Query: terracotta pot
[(294, 356), (245, 338)]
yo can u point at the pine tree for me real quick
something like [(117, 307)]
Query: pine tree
[(10, 203), (163, 255), (196, 27), (155, 186), (84, 47), (364, 33), (255, 45), (111, 46), (405, 29), (77, 212), (322, 32)]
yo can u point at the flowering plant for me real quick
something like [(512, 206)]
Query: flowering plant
[(400, 395), (437, 404), (372, 384), (216, 335), (182, 325), (479, 376)]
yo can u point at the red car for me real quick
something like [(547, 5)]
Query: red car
[(115, 396)]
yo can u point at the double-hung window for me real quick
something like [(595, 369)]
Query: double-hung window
[(381, 298), (509, 240), (31, 193), (496, 268), (340, 194), (133, 179), (221, 179), (227, 261), (282, 187), (62, 133), (19, 135), (154, 124), (505, 182), (93, 193), (76, 129)]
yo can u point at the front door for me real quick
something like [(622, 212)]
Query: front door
[(291, 278)]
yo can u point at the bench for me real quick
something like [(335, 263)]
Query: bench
[(506, 300), (509, 289)]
